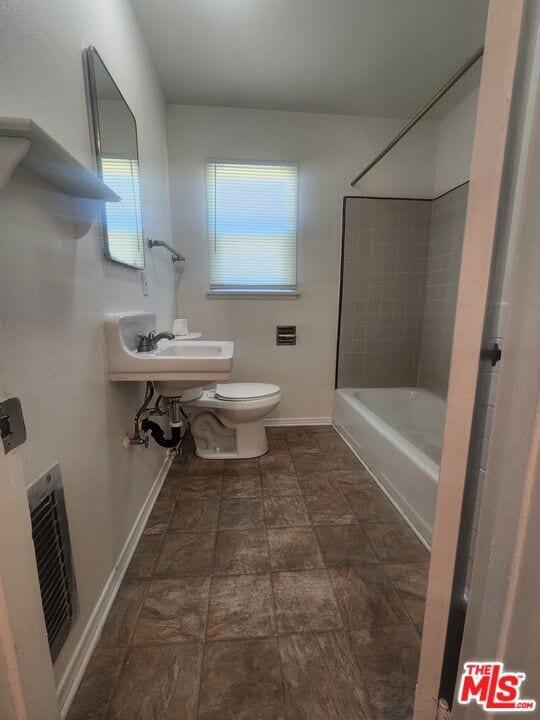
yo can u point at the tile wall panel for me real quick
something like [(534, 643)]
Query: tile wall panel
[(384, 270), (444, 258)]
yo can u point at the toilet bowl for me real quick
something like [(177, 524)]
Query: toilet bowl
[(228, 422)]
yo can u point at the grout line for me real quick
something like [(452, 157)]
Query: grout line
[(274, 619), (203, 644)]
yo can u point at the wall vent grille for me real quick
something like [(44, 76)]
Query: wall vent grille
[(50, 533)]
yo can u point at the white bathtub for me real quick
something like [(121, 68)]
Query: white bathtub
[(397, 433)]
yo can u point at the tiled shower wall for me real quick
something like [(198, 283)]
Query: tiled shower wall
[(384, 267), (400, 273), (444, 258)]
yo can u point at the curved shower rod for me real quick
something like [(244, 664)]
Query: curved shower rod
[(434, 100)]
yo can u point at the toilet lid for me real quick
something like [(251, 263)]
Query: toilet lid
[(245, 391)]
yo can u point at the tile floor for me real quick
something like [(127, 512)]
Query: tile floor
[(281, 588)]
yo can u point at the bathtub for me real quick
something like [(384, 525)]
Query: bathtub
[(397, 433)]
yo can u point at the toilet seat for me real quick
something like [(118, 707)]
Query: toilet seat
[(240, 392)]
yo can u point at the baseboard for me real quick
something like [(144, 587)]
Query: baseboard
[(69, 682), (277, 422)]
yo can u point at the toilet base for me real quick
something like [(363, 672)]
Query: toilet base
[(218, 440)]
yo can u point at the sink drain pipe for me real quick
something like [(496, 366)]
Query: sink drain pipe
[(156, 431), (177, 421)]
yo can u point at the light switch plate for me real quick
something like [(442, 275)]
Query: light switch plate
[(144, 283)]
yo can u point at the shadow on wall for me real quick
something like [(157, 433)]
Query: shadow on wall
[(401, 261)]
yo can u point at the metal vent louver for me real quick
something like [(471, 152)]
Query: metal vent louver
[(50, 534)]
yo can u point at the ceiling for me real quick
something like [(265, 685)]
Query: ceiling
[(381, 58)]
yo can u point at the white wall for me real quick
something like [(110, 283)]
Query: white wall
[(55, 285), (454, 150), (331, 150)]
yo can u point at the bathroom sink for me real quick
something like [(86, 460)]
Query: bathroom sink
[(174, 366)]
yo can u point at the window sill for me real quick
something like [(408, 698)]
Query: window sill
[(255, 294)]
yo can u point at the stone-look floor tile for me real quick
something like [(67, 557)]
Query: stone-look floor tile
[(310, 461), (95, 690), (304, 601), (182, 461), (277, 446), (315, 482), (281, 484), (321, 680), (344, 460), (353, 478), (395, 542), (198, 466), (318, 430), (240, 680), (294, 549), (271, 464), (160, 517), (195, 516), (241, 486), (276, 432), (188, 446), (158, 683), (201, 487), (330, 510), (410, 581), (241, 514), (240, 607), (303, 444), (285, 511), (388, 657), (186, 554), (174, 611), (241, 551), (330, 443), (345, 545), (244, 466), (145, 556), (295, 433), (366, 596), (123, 615), (369, 503), (171, 486)]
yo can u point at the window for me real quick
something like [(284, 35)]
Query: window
[(252, 226)]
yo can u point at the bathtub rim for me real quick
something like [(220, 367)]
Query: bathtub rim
[(412, 454)]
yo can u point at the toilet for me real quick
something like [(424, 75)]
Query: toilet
[(227, 422)]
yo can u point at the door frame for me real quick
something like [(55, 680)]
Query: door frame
[(503, 621), (502, 42), (27, 684)]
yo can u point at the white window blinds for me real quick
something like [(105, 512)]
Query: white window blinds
[(124, 219), (252, 225)]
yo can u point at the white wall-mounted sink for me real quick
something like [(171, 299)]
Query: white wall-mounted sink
[(174, 366)]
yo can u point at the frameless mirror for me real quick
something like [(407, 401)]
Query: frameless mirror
[(117, 156)]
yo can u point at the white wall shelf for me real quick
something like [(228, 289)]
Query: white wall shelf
[(23, 142)]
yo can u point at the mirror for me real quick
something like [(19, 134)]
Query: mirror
[(117, 156)]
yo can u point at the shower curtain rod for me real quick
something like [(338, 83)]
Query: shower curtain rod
[(435, 99)]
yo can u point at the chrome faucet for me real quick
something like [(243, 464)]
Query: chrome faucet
[(149, 342)]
